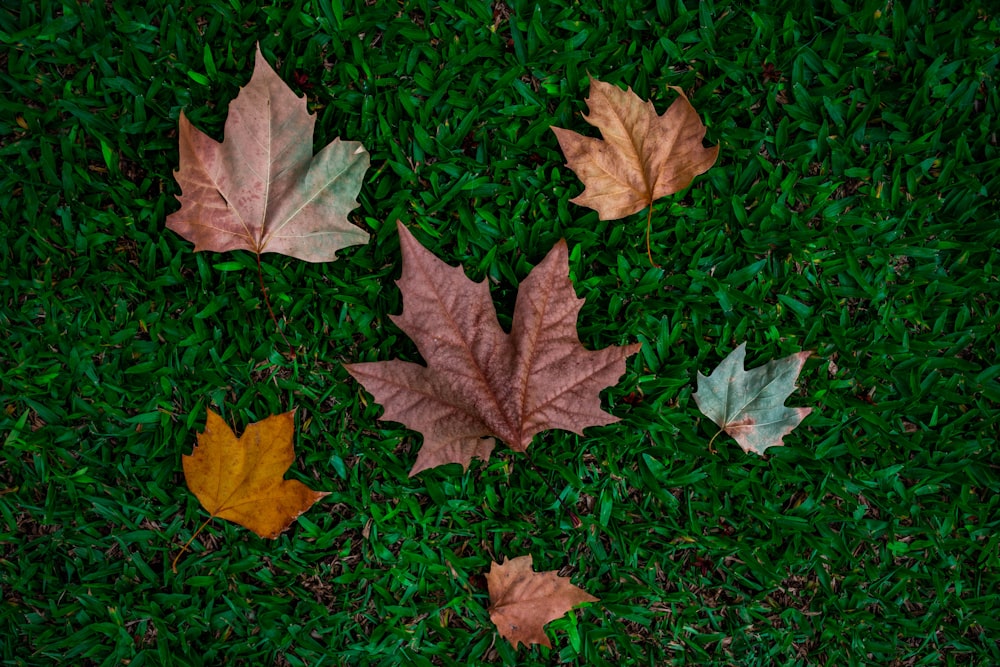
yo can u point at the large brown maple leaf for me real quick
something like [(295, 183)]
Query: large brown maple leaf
[(261, 189), (480, 381)]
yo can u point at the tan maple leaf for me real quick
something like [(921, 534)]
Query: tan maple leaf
[(643, 156), (261, 189), (750, 405), (242, 479), (522, 601), (480, 381)]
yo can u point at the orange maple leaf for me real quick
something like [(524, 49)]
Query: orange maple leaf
[(644, 156), (522, 601), (241, 479)]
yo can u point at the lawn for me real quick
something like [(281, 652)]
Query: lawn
[(854, 211)]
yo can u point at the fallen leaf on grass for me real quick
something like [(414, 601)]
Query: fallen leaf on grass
[(750, 405), (261, 189), (643, 156), (480, 381), (522, 601), (241, 479)]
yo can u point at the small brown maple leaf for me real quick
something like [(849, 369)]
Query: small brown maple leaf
[(522, 601), (643, 156), (480, 381), (261, 189), (242, 479), (750, 405)]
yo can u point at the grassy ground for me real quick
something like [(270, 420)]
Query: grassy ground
[(853, 212)]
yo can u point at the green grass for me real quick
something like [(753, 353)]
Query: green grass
[(853, 212)]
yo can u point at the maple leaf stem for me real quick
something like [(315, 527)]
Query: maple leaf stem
[(173, 564), (713, 440), (267, 302), (649, 224)]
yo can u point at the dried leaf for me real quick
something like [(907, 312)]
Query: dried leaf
[(480, 381), (643, 156), (523, 601), (749, 405), (261, 189), (241, 479)]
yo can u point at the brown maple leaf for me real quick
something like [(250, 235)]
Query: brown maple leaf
[(750, 405), (261, 189), (643, 156), (480, 381), (522, 601), (241, 479)]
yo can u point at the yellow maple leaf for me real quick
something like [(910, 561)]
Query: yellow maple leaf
[(242, 479)]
